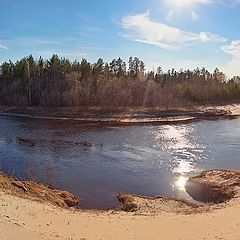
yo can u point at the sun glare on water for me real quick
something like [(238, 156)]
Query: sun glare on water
[(181, 182)]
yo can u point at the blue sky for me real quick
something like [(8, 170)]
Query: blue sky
[(167, 33)]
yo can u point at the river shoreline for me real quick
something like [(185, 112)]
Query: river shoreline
[(29, 218), (125, 116), (215, 186), (33, 211)]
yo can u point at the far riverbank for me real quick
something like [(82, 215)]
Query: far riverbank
[(125, 115)]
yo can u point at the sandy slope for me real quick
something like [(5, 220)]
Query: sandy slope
[(26, 215), (23, 219), (235, 109)]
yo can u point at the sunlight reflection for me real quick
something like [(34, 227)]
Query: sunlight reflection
[(180, 141), (181, 182), (184, 167), (175, 137)]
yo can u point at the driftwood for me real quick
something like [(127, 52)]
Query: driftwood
[(20, 185)]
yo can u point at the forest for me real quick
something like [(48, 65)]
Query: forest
[(59, 82)]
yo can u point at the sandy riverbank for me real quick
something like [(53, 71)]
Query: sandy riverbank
[(125, 116), (151, 218)]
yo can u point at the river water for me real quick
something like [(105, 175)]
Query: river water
[(96, 161)]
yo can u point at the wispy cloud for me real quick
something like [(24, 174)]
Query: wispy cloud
[(3, 47), (61, 54), (194, 16), (183, 3), (203, 1), (192, 3), (170, 16), (86, 31), (28, 42), (233, 49), (141, 28), (35, 41)]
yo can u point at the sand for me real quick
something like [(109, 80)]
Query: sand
[(126, 116), (235, 109), (23, 219), (27, 219), (232, 109)]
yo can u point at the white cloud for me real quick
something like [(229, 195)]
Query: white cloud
[(202, 1), (211, 37), (170, 16), (141, 28), (232, 67), (233, 48), (3, 47), (194, 16), (185, 3)]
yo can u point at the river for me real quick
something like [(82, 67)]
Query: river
[(97, 161)]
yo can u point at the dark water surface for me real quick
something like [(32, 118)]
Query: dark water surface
[(95, 162)]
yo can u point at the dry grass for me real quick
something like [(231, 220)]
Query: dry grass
[(35, 191)]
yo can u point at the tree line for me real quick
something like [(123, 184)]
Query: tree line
[(61, 82)]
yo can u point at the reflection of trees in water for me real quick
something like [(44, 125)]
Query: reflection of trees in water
[(55, 143)]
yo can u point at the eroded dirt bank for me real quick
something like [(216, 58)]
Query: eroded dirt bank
[(36, 191), (218, 188), (22, 218)]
